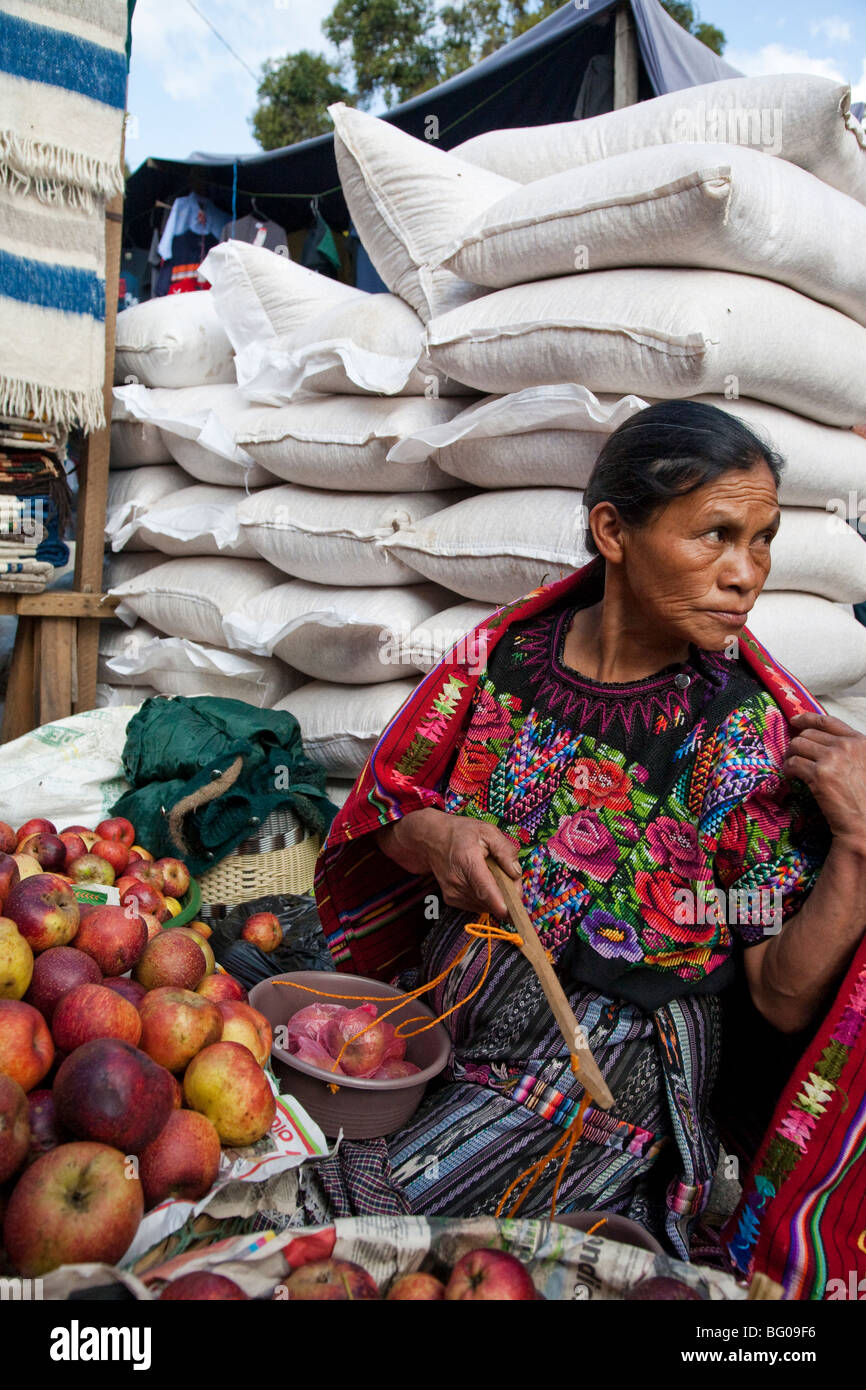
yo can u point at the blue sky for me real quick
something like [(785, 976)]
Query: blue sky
[(186, 92)]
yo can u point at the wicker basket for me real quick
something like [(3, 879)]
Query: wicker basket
[(280, 859)]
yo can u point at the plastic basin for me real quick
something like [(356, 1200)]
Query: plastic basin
[(362, 1109)]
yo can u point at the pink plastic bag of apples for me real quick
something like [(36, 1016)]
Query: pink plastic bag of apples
[(367, 1050)]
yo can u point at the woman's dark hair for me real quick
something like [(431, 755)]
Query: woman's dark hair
[(667, 450)]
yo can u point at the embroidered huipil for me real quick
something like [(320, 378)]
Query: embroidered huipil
[(644, 812)]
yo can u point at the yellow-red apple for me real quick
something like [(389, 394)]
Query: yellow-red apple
[(183, 1160), (176, 1024), (44, 909), (26, 1046), (92, 1011), (226, 1083), (244, 1024), (16, 961)]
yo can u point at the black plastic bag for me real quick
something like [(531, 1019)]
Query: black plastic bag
[(303, 946)]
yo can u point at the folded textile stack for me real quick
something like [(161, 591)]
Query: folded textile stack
[(34, 504)]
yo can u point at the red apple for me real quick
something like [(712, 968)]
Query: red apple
[(203, 1287), (26, 1047), (424, 1288), (75, 846), (34, 827), (146, 872), (153, 924), (8, 838), (109, 1091), (337, 1280), (129, 989), (145, 896), (183, 1160), (91, 1011), (114, 937), (171, 959), (27, 865), (14, 1127), (487, 1275), (226, 1083), (263, 930), (114, 853), (77, 1204), (221, 986), (178, 1094), (244, 1024), (57, 971), (77, 830), (9, 875), (48, 849), (117, 828), (176, 1024), (139, 852), (175, 876), (45, 1132), (89, 868), (203, 945), (44, 909)]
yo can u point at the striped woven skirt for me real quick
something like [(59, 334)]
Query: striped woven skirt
[(509, 1091)]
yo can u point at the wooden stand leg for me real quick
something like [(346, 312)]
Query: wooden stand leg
[(20, 707), (58, 664)]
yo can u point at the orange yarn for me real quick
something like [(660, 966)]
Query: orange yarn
[(485, 931)]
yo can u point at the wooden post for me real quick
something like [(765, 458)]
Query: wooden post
[(625, 59), (19, 711), (93, 494)]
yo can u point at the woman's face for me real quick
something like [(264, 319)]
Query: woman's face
[(697, 567)]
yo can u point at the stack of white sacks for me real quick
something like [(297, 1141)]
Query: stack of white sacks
[(341, 513)]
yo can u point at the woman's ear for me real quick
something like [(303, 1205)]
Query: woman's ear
[(607, 531)]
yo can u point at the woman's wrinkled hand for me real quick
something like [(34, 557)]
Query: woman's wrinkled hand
[(829, 756), (455, 850)]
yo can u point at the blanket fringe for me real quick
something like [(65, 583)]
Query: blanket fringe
[(29, 400), (55, 174)]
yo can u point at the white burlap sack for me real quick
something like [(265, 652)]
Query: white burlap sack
[(723, 207), (198, 520), (545, 436), (322, 536), (295, 331), (128, 565), (342, 442), (134, 442), (116, 640), (851, 709), (798, 117), (174, 341), (355, 635), (821, 643), (666, 333), (550, 436), (497, 545), (127, 697), (176, 666), (818, 552), (189, 598), (430, 640), (340, 724), (131, 493), (198, 426), (405, 197)]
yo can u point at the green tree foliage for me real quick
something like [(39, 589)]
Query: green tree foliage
[(294, 95), (684, 14), (391, 45), (395, 49)]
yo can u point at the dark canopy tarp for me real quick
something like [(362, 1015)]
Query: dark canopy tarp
[(561, 67)]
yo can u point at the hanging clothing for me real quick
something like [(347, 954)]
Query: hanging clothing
[(257, 231), (320, 249), (191, 213)]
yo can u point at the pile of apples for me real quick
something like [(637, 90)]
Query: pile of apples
[(126, 1060)]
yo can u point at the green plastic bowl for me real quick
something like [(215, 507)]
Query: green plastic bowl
[(190, 904)]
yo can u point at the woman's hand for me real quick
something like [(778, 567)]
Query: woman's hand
[(830, 758), (455, 850)]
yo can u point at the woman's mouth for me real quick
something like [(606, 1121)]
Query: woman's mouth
[(732, 619)]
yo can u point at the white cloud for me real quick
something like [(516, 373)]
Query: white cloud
[(192, 65), (774, 58), (835, 29)]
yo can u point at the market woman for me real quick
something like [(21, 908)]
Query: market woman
[(620, 746)]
